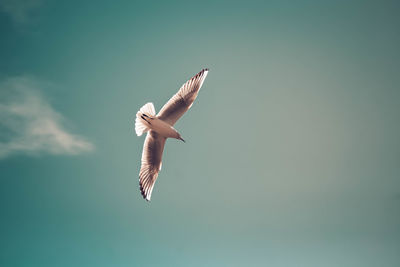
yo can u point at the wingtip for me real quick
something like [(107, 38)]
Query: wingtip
[(143, 193), (145, 197), (202, 73)]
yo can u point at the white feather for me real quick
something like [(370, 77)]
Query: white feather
[(140, 126), (149, 109)]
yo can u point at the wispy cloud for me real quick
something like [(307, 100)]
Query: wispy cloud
[(29, 125), (19, 10)]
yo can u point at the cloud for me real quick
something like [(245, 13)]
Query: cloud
[(19, 10), (29, 125)]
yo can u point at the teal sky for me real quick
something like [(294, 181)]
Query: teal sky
[(292, 153)]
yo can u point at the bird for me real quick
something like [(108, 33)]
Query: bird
[(160, 127)]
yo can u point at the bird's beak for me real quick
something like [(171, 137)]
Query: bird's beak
[(180, 138)]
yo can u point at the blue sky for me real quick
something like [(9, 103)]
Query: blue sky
[(292, 152)]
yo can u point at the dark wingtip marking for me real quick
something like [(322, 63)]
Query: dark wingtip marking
[(142, 191)]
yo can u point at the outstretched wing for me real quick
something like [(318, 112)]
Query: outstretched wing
[(183, 99), (151, 162)]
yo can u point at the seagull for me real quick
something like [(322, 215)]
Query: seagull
[(160, 127)]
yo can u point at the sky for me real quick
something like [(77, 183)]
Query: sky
[(292, 146)]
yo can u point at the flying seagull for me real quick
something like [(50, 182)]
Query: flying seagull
[(160, 127)]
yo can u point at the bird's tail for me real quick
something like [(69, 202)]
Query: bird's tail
[(140, 123)]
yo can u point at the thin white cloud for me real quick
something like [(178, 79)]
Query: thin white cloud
[(29, 125), (19, 10)]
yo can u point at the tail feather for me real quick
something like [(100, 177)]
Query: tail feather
[(140, 127), (149, 109)]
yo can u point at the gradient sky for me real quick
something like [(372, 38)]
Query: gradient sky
[(292, 155)]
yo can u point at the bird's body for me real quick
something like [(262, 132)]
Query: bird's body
[(160, 127)]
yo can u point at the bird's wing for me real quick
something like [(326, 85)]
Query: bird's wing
[(151, 162), (183, 99)]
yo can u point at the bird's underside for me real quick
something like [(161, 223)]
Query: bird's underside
[(160, 127)]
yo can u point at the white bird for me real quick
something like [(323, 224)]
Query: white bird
[(160, 127)]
